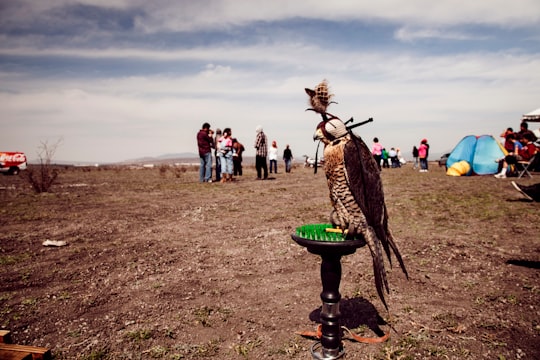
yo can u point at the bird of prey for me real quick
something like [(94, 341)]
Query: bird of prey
[(356, 191)]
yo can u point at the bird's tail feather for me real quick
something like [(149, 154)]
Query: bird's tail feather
[(395, 250), (387, 240), (381, 283)]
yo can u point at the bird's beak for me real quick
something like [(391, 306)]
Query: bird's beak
[(318, 135)]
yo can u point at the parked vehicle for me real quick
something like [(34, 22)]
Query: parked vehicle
[(443, 159), (12, 162), (310, 162)]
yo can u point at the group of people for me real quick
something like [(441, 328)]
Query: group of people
[(394, 158), (263, 153), (520, 147), (228, 154), (227, 151), (385, 158)]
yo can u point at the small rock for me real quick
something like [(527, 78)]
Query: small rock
[(54, 243)]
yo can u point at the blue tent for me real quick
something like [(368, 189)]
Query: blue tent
[(481, 152)]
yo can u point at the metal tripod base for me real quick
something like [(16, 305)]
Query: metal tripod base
[(320, 353)]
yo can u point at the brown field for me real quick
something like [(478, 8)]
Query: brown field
[(158, 266)]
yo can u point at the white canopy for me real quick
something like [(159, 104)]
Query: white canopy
[(532, 116)]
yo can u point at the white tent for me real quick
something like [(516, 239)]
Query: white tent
[(533, 116)]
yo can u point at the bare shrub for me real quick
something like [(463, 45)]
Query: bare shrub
[(163, 169), (178, 171), (42, 176)]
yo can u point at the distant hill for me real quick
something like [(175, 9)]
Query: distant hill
[(177, 156), (180, 158), (165, 158)]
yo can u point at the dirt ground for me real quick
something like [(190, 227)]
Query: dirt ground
[(158, 266)]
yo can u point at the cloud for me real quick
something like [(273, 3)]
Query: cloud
[(191, 15), (137, 78), (188, 15), (408, 95), (410, 35)]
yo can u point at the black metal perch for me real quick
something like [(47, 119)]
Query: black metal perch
[(330, 249)]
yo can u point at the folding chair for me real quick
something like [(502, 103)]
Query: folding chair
[(523, 166)]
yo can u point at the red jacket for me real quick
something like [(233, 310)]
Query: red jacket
[(527, 151)]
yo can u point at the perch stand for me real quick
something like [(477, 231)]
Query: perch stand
[(330, 249)]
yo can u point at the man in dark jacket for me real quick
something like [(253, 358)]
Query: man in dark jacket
[(524, 129), (205, 144)]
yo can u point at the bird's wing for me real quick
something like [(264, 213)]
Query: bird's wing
[(364, 180), (366, 186)]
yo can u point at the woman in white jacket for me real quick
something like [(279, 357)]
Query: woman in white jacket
[(272, 156)]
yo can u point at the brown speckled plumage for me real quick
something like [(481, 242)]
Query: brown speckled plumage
[(356, 194)]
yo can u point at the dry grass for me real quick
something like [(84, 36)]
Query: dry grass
[(160, 266)]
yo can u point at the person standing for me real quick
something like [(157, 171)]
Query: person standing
[(238, 149), (415, 157), (216, 154), (272, 157), (376, 151), (205, 144), (385, 158), (260, 154), (423, 153), (287, 157), (427, 155), (226, 155)]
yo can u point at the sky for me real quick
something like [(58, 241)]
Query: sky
[(108, 81)]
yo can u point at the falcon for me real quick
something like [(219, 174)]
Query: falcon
[(356, 191)]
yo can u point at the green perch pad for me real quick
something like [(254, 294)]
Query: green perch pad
[(318, 232)]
